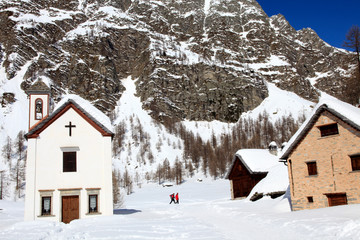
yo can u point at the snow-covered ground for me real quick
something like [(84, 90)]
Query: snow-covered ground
[(205, 212)]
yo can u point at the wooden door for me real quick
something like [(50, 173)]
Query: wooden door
[(337, 199), (70, 208), (237, 188), (242, 187)]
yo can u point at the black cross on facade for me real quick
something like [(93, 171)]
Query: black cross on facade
[(70, 126)]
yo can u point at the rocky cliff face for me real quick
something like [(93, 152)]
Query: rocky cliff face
[(195, 59)]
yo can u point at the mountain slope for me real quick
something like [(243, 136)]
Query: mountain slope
[(199, 59), (204, 63)]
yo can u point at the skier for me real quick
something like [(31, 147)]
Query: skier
[(172, 197), (177, 198)]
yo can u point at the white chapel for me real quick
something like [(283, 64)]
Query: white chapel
[(69, 168)]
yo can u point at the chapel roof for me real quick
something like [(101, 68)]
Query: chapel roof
[(94, 116), (38, 86)]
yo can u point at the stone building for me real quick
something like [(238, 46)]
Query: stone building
[(323, 157)]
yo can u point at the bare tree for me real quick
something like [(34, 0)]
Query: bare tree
[(353, 42), (352, 89)]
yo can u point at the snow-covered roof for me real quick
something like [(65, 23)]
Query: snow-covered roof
[(273, 144), (255, 160), (347, 112), (275, 181), (38, 86), (92, 111), (81, 104)]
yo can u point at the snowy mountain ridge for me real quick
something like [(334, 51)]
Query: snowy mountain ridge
[(196, 60)]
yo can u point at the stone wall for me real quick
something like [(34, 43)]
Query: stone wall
[(334, 170)]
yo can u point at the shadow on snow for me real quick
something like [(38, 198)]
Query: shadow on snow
[(125, 211)]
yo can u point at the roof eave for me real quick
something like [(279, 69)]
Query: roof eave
[(288, 151), (311, 122)]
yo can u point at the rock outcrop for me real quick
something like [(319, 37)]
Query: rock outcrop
[(196, 59)]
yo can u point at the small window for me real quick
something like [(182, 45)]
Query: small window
[(355, 162), (312, 169), (93, 203), (310, 199), (45, 206), (328, 130), (38, 109), (69, 161)]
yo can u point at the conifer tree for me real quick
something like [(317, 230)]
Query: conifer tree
[(178, 171), (3, 184), (128, 184), (7, 152), (18, 173), (117, 197)]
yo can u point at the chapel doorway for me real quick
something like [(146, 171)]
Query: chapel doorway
[(70, 208)]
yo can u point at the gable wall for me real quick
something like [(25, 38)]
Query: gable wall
[(241, 180), (238, 170), (334, 171), (89, 158), (93, 165)]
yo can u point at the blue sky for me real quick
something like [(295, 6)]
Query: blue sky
[(330, 19)]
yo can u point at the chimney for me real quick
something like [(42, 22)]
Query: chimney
[(273, 148)]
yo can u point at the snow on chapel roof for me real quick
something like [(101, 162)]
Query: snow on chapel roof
[(96, 114), (38, 86), (85, 107), (347, 112)]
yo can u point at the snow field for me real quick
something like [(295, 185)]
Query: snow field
[(205, 212)]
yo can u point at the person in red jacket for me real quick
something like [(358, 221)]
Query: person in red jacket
[(177, 198), (172, 197)]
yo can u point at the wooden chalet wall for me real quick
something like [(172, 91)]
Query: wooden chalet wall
[(242, 180)]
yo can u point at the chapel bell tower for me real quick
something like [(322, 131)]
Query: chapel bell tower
[(39, 102)]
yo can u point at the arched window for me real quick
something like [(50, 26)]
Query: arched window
[(38, 109)]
